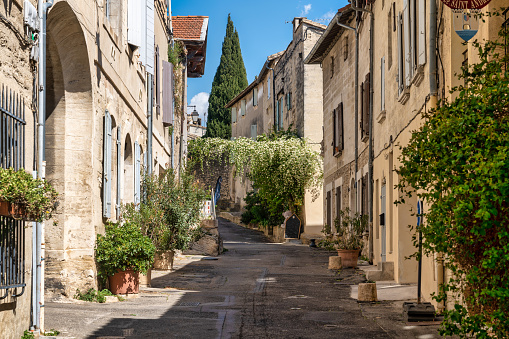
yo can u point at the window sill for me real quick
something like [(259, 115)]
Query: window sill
[(418, 76), (404, 96), (338, 154), (381, 116)]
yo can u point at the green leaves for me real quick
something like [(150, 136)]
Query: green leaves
[(458, 163), (122, 247), (36, 196), (230, 80)]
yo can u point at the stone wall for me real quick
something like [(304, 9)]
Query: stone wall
[(208, 175)]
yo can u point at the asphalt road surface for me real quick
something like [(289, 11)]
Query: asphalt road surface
[(255, 289)]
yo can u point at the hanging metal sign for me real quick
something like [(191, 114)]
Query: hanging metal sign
[(466, 4), (466, 22)]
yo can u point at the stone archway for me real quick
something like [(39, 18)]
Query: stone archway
[(69, 156)]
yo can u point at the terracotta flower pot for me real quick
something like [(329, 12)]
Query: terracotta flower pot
[(15, 211), (349, 258), (124, 282)]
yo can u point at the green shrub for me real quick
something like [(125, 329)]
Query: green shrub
[(124, 246), (37, 196), (93, 295)]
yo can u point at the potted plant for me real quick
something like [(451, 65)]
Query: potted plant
[(23, 197), (348, 241), (122, 253)]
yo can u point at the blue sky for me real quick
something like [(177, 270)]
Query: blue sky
[(264, 28)]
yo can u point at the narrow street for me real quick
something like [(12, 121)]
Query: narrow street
[(256, 289)]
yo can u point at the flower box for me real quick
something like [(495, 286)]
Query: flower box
[(15, 211)]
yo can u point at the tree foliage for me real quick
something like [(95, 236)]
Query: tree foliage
[(458, 163), (230, 80), (281, 166)]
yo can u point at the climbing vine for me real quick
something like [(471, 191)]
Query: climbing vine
[(282, 167)]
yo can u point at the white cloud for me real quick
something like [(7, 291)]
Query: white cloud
[(328, 16), (306, 10), (201, 101)]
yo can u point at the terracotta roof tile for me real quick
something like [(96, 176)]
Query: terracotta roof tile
[(189, 27)]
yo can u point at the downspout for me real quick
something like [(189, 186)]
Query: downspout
[(274, 97), (433, 90), (43, 8), (150, 108)]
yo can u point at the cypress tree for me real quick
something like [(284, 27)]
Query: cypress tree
[(230, 80)]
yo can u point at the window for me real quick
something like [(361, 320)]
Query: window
[(107, 138), (329, 207), (255, 96), (280, 112), (382, 84), (234, 114), (332, 67), (365, 102), (345, 49), (243, 107), (338, 130), (268, 88), (289, 101), (254, 132), (140, 31), (338, 202), (464, 64), (401, 81), (389, 38), (168, 99), (364, 195)]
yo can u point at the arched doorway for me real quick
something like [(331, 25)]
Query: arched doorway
[(69, 154)]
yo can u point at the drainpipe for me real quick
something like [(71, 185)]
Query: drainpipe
[(274, 96), (150, 108), (43, 8), (433, 90)]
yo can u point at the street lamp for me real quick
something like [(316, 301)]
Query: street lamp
[(195, 114)]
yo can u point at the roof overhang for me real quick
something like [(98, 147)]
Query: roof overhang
[(196, 47), (330, 36)]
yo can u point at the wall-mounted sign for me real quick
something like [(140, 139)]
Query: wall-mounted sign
[(466, 4), (466, 22)]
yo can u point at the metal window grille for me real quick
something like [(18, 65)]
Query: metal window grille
[(12, 232)]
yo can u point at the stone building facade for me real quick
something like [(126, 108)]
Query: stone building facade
[(17, 72), (286, 93), (400, 89), (110, 115)]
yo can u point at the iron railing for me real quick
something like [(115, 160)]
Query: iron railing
[(12, 232)]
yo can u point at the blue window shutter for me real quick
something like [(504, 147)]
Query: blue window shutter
[(253, 132), (137, 173), (107, 166), (134, 24), (167, 93), (234, 114), (119, 169)]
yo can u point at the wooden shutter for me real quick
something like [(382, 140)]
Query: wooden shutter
[(281, 113), (253, 132), (341, 142), (134, 24), (365, 105), (107, 165), (406, 43), (268, 88), (338, 202), (382, 84), (255, 96), (413, 37), (277, 114), (157, 81), (148, 49), (329, 215), (234, 114), (167, 93), (243, 107), (119, 169), (137, 173), (334, 131), (422, 32), (401, 81)]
